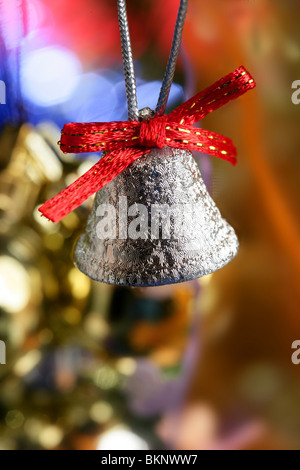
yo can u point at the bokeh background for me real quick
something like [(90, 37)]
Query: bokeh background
[(199, 365)]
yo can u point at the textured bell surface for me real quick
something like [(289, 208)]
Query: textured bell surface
[(155, 224)]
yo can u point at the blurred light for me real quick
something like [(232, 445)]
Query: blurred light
[(106, 378), (14, 419), (50, 437), (53, 241), (101, 412), (167, 356), (14, 285), (43, 155), (71, 315), (11, 20), (24, 246), (98, 99), (71, 221), (38, 15), (96, 326), (80, 284), (126, 366), (26, 363), (121, 439), (50, 75), (50, 132), (195, 427), (33, 428), (205, 280)]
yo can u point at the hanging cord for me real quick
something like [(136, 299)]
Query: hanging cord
[(169, 75), (133, 112), (130, 83)]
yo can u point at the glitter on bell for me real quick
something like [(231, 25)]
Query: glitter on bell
[(155, 224)]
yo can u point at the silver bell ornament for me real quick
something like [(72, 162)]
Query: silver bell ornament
[(155, 224), (153, 221)]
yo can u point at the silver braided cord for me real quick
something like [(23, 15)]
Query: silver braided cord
[(130, 83), (169, 74), (133, 114)]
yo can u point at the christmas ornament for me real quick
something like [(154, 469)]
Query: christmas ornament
[(153, 222), (158, 192)]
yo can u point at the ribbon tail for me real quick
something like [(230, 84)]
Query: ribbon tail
[(228, 88), (92, 181)]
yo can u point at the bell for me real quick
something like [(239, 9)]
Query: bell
[(155, 224)]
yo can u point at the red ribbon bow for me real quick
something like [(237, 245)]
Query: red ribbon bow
[(126, 141)]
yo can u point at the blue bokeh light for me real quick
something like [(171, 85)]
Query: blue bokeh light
[(49, 75)]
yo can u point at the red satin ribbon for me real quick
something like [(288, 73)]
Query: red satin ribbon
[(126, 141)]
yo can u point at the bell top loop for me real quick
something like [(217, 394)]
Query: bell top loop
[(146, 113)]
